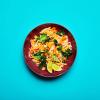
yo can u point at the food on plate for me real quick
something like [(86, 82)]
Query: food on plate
[(50, 49)]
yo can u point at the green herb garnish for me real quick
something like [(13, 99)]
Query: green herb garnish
[(60, 33), (37, 55), (59, 48), (43, 38), (55, 42), (67, 53), (43, 62), (55, 58)]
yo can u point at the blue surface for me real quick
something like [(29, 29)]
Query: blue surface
[(18, 18)]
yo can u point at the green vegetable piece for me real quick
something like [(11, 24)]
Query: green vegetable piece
[(42, 64), (43, 61), (55, 42), (60, 33), (43, 38), (67, 53), (59, 48), (38, 55), (55, 58)]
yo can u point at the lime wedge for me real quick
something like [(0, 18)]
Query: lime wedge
[(52, 66), (49, 67), (56, 67)]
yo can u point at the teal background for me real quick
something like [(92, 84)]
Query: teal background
[(18, 18)]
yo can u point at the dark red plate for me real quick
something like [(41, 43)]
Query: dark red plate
[(33, 66)]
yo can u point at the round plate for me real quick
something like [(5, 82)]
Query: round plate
[(33, 66)]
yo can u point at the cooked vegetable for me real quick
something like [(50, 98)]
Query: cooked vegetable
[(40, 57), (59, 48), (43, 62), (48, 49), (55, 42), (67, 53), (60, 33), (43, 38), (37, 55), (55, 58)]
